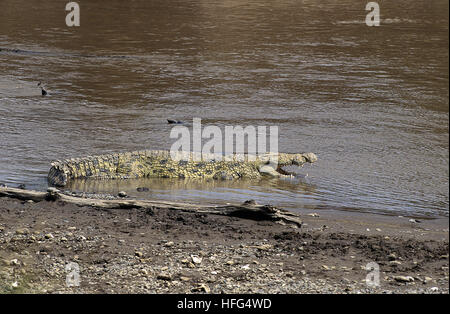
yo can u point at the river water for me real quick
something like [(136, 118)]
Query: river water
[(371, 102)]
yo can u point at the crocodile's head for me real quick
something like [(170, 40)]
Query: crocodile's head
[(298, 160), (295, 159), (301, 159)]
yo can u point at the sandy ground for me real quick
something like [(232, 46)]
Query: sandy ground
[(52, 247)]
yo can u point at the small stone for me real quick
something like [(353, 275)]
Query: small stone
[(196, 259), (183, 278), (52, 190), (404, 278), (49, 236), (378, 229), (15, 284), (314, 215), (414, 221), (264, 247), (22, 231), (63, 239), (138, 254), (434, 289), (164, 276), (392, 257), (427, 279), (122, 194), (202, 288), (230, 263), (325, 267), (14, 262), (169, 244), (395, 263)]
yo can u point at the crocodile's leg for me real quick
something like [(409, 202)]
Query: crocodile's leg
[(271, 170)]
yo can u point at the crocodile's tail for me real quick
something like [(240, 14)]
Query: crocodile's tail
[(58, 174), (112, 166)]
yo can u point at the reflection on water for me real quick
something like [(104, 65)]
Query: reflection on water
[(372, 102), (286, 192)]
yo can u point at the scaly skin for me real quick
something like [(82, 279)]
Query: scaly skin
[(154, 163)]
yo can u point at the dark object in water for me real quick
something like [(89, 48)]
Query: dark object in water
[(170, 121), (142, 189), (21, 186), (43, 91), (122, 194)]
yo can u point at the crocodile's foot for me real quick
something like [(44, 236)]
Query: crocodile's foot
[(272, 171)]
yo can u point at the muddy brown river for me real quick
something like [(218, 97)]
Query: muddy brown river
[(371, 102)]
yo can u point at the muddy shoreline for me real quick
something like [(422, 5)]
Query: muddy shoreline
[(172, 251)]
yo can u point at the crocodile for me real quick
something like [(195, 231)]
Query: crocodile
[(159, 163)]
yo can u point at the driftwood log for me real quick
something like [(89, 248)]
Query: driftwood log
[(247, 210)]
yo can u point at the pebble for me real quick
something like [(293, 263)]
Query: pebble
[(49, 236), (392, 257), (22, 231), (427, 279), (196, 259), (164, 276), (202, 288), (122, 194), (169, 244), (404, 278)]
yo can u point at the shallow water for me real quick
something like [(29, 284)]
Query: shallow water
[(372, 102)]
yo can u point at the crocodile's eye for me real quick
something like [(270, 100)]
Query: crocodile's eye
[(298, 161)]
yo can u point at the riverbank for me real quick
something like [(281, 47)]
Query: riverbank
[(172, 251)]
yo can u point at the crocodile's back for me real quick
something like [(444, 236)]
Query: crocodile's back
[(155, 164)]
